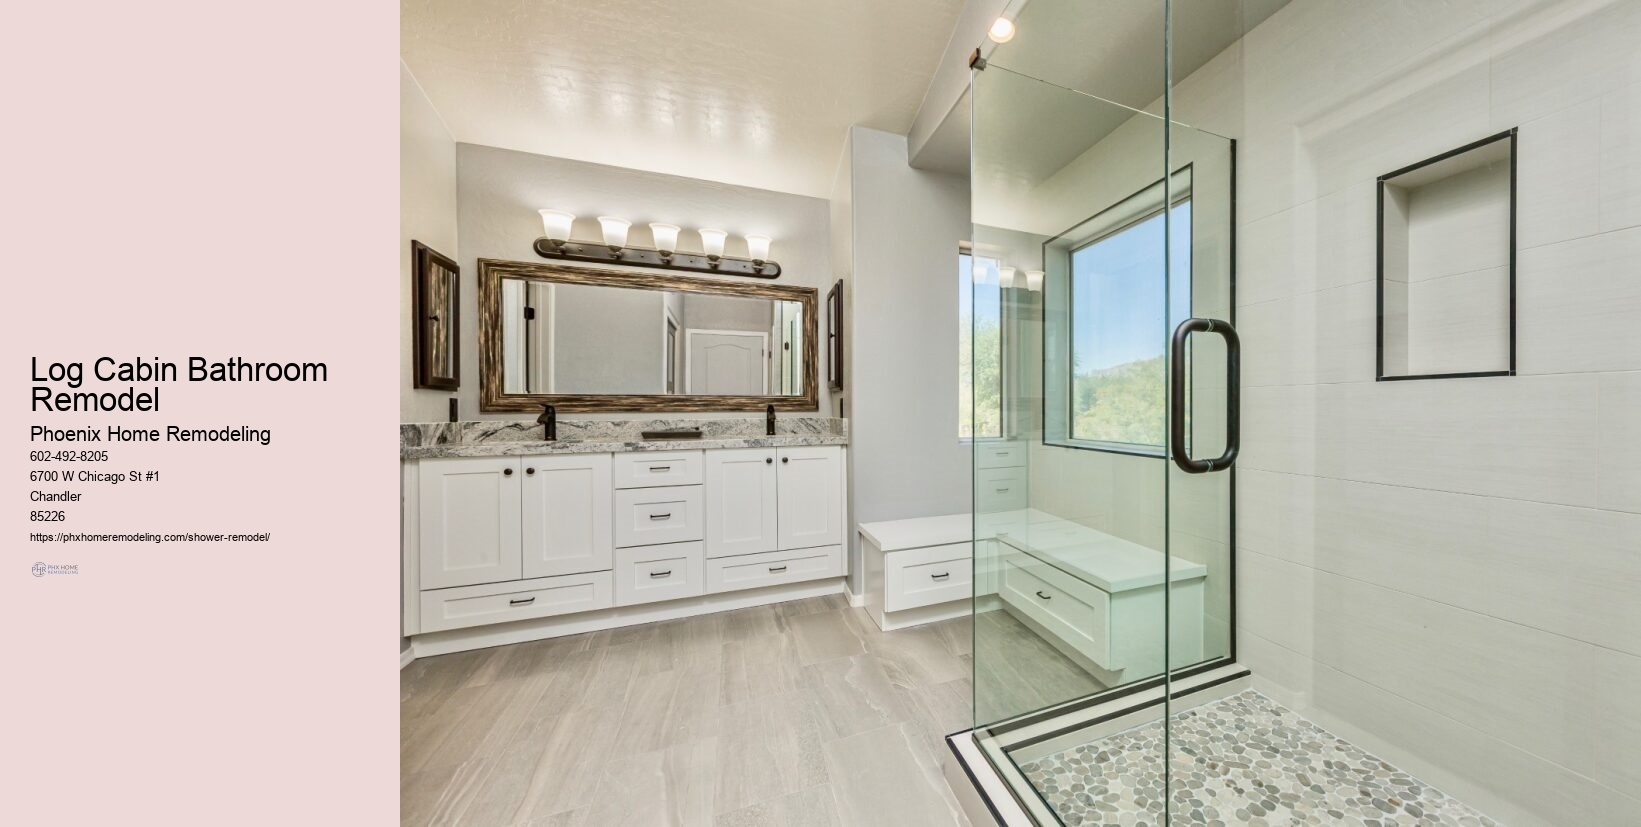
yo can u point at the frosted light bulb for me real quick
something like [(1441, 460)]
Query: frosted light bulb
[(712, 243), (615, 231), (666, 237), (758, 247), (1034, 281), (1005, 277), (557, 224)]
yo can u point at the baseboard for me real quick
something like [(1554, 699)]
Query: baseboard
[(407, 656), (857, 600), (522, 631)]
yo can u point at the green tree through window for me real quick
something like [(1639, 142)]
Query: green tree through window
[(979, 349)]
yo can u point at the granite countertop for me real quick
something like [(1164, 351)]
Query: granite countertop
[(513, 438)]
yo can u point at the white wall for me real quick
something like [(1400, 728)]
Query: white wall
[(427, 213), (905, 455), (500, 190), (1448, 570)]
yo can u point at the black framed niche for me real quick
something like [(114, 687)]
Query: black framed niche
[(436, 299), (1447, 264)]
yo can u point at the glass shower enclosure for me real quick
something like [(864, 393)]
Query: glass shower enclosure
[(1431, 490), (1106, 431)]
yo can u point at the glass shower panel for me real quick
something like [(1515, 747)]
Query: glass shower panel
[(1069, 247)]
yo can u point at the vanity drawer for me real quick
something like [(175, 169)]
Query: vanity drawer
[(1001, 489), (1000, 455), (1077, 614), (647, 574), (651, 516), (927, 576), (646, 469), (466, 606), (773, 568)]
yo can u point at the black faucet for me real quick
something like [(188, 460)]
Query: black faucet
[(769, 421), (549, 417)]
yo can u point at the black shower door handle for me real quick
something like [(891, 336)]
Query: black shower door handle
[(1233, 395)]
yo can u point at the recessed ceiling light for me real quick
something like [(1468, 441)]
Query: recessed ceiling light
[(1002, 30)]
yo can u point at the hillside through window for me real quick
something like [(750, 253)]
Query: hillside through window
[(1120, 323)]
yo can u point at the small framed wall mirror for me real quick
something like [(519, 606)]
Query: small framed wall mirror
[(435, 303), (586, 338), (834, 337), (1447, 262)]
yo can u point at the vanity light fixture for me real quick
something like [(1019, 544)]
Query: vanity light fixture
[(712, 243), (1002, 30), (615, 232), (557, 224), (1034, 281), (557, 244), (666, 239), (1005, 277)]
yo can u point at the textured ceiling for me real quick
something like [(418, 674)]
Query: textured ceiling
[(751, 92)]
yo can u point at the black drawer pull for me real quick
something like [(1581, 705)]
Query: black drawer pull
[(659, 468), (666, 516), (1044, 596), (941, 576), (522, 601), (1002, 490), (776, 569), (660, 574)]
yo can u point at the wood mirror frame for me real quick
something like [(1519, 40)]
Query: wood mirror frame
[(493, 400)]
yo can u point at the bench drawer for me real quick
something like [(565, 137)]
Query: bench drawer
[(927, 576)]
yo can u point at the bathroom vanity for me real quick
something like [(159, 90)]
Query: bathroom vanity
[(517, 540)]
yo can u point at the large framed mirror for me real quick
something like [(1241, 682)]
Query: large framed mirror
[(588, 338)]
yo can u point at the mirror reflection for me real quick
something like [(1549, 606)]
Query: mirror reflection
[(562, 338)]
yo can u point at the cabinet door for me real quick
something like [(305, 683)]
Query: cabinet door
[(740, 501), (567, 518), (469, 521), (810, 493)]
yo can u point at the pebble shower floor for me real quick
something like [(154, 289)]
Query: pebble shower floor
[(1241, 760)]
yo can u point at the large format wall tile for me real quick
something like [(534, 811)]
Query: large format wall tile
[(1619, 462), (1621, 157), (1530, 438), (1552, 55), (1558, 176), (1577, 304)]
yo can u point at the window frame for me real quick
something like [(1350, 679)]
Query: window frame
[(1186, 194)]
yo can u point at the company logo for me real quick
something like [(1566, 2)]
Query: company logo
[(43, 569)]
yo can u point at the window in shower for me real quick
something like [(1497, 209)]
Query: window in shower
[(1120, 318), (979, 349)]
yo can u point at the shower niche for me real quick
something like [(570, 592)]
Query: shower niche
[(1447, 264)]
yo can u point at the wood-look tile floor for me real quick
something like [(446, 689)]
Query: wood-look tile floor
[(798, 713)]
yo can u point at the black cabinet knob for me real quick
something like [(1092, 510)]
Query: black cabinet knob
[(769, 460), (786, 459), (530, 471), (507, 472)]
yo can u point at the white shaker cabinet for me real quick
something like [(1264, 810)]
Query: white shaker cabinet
[(740, 501), (470, 530), (810, 496), (567, 514)]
